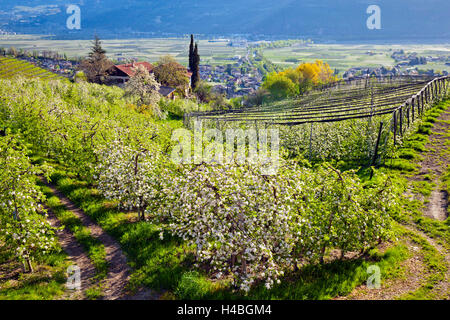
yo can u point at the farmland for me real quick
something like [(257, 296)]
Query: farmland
[(339, 56), (215, 53), (10, 67), (207, 231), (339, 123), (343, 57)]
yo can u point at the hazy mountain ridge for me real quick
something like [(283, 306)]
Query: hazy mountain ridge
[(327, 19)]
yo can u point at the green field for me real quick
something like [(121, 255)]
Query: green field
[(10, 67), (215, 53), (339, 56), (343, 57)]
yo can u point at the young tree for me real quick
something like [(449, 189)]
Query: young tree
[(257, 98), (195, 67), (304, 78), (22, 225), (130, 175), (13, 52), (203, 91), (96, 66)]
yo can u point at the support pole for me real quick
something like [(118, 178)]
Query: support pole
[(375, 153), (394, 116)]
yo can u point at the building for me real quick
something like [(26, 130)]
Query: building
[(121, 74), (167, 92)]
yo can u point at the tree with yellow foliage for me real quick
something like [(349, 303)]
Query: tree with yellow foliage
[(299, 80)]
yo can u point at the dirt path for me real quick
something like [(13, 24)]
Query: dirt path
[(393, 288), (77, 255), (435, 163), (119, 271), (443, 288)]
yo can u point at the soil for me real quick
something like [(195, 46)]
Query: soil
[(77, 255), (119, 271), (435, 162)]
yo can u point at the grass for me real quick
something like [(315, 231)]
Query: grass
[(94, 248), (436, 268), (339, 278), (167, 265), (46, 283), (439, 231)]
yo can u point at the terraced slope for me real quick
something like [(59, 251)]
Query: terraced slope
[(10, 67)]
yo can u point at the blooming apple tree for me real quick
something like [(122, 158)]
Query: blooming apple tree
[(130, 175), (23, 224), (255, 227)]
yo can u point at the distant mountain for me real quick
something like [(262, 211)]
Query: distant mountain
[(317, 19)]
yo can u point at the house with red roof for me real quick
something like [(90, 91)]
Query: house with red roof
[(121, 74)]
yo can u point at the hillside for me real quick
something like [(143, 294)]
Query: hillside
[(10, 67), (122, 197)]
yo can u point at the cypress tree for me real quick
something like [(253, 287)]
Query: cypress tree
[(195, 67), (191, 53)]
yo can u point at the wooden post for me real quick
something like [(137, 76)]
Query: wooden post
[(429, 91), (412, 107), (407, 112), (401, 120), (310, 142), (423, 104), (418, 104), (375, 154), (433, 90), (394, 116)]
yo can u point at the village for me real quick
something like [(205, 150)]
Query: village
[(238, 78), (232, 80)]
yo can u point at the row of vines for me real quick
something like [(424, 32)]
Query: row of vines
[(342, 122)]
